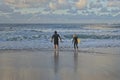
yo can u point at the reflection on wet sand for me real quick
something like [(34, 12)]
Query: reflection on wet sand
[(75, 60), (56, 61), (66, 65)]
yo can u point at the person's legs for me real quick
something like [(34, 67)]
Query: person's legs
[(56, 49), (75, 45), (56, 46)]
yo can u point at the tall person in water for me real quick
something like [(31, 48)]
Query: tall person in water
[(55, 38)]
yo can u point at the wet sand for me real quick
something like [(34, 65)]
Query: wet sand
[(86, 64)]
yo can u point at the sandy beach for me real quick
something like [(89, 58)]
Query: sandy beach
[(86, 64)]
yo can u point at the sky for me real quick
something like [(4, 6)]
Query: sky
[(59, 11)]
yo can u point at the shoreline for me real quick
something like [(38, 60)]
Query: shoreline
[(90, 50)]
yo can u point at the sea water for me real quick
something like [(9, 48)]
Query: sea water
[(38, 36)]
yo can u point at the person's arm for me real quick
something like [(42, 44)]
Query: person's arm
[(60, 38), (73, 40), (52, 38)]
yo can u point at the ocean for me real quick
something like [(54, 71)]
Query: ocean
[(38, 36)]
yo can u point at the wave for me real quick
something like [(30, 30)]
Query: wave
[(45, 34), (65, 37), (93, 36)]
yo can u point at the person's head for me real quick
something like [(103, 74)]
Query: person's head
[(74, 35), (55, 32)]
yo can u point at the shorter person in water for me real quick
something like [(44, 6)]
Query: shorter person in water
[(75, 41)]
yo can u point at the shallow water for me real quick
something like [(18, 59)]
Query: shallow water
[(31, 36)]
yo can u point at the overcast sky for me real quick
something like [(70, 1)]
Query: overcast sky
[(59, 11)]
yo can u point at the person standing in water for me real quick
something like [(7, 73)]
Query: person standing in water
[(55, 38), (75, 41)]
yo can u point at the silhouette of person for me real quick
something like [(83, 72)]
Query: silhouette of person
[(75, 41), (55, 38)]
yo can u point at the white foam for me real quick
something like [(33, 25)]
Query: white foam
[(39, 44)]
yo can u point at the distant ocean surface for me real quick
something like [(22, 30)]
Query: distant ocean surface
[(38, 36)]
